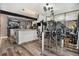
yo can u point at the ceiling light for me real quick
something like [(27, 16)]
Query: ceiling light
[(29, 11)]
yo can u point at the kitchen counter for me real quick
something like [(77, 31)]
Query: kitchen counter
[(27, 35)]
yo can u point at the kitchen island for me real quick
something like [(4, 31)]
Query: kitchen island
[(23, 36)]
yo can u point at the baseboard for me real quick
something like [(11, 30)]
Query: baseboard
[(3, 37)]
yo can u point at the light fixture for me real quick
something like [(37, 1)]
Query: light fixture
[(48, 9), (22, 9), (28, 11)]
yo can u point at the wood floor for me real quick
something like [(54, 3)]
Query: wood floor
[(8, 47)]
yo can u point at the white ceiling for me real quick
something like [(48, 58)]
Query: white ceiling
[(33, 9), (0, 6)]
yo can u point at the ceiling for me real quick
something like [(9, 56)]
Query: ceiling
[(33, 9), (0, 6)]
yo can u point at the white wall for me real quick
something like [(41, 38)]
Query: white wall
[(78, 41), (41, 17), (67, 16), (3, 22), (59, 17), (72, 15)]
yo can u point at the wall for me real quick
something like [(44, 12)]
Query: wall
[(0, 25), (3, 23), (67, 16)]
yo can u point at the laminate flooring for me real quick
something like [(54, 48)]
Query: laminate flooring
[(9, 47)]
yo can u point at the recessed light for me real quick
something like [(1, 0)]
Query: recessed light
[(47, 4), (22, 9)]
